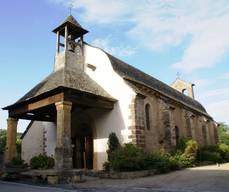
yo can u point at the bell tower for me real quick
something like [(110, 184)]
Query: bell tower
[(69, 45), (184, 87)]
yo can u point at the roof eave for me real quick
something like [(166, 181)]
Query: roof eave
[(206, 114), (54, 91), (84, 31)]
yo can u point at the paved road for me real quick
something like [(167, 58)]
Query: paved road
[(17, 187), (202, 179)]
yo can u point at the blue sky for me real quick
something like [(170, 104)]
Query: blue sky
[(158, 37)]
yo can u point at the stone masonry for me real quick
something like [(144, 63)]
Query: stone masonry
[(63, 151)]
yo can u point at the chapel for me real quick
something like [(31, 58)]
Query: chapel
[(89, 95)]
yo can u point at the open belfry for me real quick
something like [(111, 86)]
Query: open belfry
[(89, 95)]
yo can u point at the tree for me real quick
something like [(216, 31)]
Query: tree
[(224, 133), (113, 144), (3, 135), (2, 140)]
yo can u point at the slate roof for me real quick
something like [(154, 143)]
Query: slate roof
[(133, 74), (70, 79), (72, 20), (73, 27)]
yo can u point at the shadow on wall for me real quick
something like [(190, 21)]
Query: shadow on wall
[(103, 122)]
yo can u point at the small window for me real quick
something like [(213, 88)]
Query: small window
[(147, 116), (204, 132), (185, 91), (92, 67)]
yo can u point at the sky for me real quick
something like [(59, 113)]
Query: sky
[(160, 37)]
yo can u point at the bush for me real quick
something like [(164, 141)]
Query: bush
[(181, 144), (163, 162), (16, 162), (113, 144), (128, 158), (107, 166), (131, 158), (210, 156), (214, 153), (186, 152), (18, 146), (42, 162), (185, 160), (2, 140), (191, 148), (224, 151)]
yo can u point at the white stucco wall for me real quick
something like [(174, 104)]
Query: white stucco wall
[(50, 135), (116, 120), (105, 121), (32, 143)]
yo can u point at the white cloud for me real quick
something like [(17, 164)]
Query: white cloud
[(200, 26), (216, 102), (225, 76), (164, 24), (217, 92), (219, 110), (106, 44)]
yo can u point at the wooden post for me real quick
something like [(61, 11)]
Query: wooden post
[(11, 139), (57, 42), (63, 151), (66, 39)]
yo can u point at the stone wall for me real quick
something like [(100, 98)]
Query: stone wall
[(137, 127), (169, 121)]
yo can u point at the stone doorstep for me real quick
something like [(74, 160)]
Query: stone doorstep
[(56, 176)]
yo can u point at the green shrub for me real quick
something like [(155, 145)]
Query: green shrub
[(212, 153), (128, 158), (224, 151), (210, 156), (161, 161), (42, 162), (107, 166), (17, 161), (18, 146), (181, 144), (2, 140), (186, 153), (113, 144), (191, 148)]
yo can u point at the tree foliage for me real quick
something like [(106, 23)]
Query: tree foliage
[(113, 144), (2, 140), (224, 133), (3, 135)]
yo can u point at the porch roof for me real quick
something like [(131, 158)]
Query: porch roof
[(66, 79)]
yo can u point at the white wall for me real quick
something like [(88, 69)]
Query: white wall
[(105, 122), (32, 143), (50, 135), (116, 120)]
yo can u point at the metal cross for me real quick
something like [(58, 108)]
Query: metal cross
[(70, 8)]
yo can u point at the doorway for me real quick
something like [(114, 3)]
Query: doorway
[(83, 147)]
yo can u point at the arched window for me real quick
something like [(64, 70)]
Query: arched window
[(177, 132), (185, 91), (147, 116), (204, 132)]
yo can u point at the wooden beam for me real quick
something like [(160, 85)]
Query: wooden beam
[(36, 105), (87, 101), (37, 118)]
